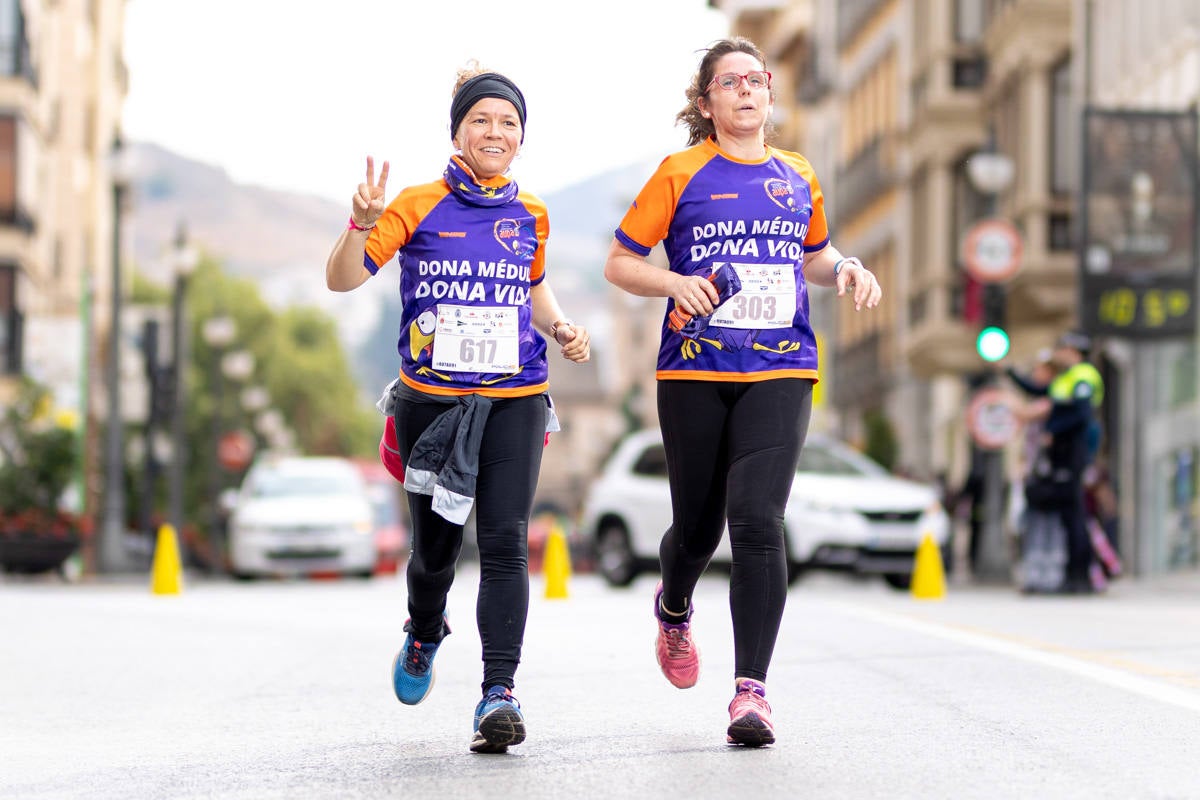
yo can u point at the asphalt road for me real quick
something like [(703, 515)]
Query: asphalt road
[(281, 689)]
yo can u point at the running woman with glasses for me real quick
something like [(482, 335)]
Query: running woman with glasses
[(470, 408), (743, 225)]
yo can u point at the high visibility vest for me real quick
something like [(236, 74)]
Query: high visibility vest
[(1081, 380)]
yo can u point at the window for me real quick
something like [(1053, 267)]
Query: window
[(10, 322), (969, 72), (968, 21), (56, 259), (833, 459), (1059, 230), (14, 45), (8, 169), (1063, 144), (17, 172), (652, 463), (922, 251)]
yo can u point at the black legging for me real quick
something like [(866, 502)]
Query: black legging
[(509, 459), (1079, 542), (732, 450)]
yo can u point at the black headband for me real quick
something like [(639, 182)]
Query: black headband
[(489, 84)]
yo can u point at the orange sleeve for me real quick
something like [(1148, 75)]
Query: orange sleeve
[(395, 227), (541, 221), (818, 225), (648, 220)]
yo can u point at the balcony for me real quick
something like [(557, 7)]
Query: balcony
[(947, 103), (870, 175), (1043, 292), (941, 340), (1021, 32)]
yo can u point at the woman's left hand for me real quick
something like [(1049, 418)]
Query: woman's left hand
[(863, 286), (575, 341)]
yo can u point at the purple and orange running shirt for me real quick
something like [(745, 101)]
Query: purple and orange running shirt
[(712, 211), (465, 277)]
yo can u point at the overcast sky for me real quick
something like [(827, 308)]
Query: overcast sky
[(294, 95)]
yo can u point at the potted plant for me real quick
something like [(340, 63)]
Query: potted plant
[(37, 459)]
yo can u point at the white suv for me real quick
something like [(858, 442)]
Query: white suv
[(845, 512)]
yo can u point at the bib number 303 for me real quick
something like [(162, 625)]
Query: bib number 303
[(767, 298)]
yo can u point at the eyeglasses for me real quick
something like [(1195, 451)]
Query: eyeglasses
[(730, 81)]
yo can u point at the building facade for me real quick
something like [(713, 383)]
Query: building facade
[(1145, 57), (62, 83)]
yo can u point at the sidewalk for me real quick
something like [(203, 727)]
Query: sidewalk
[(1178, 582)]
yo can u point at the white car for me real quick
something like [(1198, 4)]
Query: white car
[(298, 515), (845, 512)]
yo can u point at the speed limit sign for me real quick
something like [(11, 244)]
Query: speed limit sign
[(990, 419), (992, 251)]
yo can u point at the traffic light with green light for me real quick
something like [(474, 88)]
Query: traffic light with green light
[(993, 341)]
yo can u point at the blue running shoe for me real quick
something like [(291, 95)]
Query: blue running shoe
[(499, 722), (412, 669)]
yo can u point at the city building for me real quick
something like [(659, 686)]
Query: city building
[(62, 83), (1144, 58)]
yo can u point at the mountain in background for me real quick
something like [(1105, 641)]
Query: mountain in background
[(278, 239), (281, 240)]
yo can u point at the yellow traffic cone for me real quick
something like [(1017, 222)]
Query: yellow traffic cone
[(929, 575), (166, 573), (556, 564)]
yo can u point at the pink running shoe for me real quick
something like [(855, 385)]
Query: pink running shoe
[(677, 654), (750, 715)]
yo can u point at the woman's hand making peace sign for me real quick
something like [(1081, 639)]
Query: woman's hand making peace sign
[(368, 203)]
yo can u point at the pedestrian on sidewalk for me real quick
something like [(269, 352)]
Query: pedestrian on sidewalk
[(744, 228), (470, 408), (1071, 438)]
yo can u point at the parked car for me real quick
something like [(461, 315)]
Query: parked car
[(845, 512), (391, 532), (298, 515)]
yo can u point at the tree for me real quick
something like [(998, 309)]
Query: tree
[(298, 360)]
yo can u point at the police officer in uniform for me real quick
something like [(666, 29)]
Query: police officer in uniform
[(1071, 439)]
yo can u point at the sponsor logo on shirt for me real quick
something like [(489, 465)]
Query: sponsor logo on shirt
[(452, 234), (781, 193), (508, 234), (726, 196)]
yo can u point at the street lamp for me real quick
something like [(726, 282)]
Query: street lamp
[(185, 259), (991, 173), (255, 399), (111, 555), (238, 365)]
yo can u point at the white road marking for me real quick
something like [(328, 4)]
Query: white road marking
[(1077, 662)]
